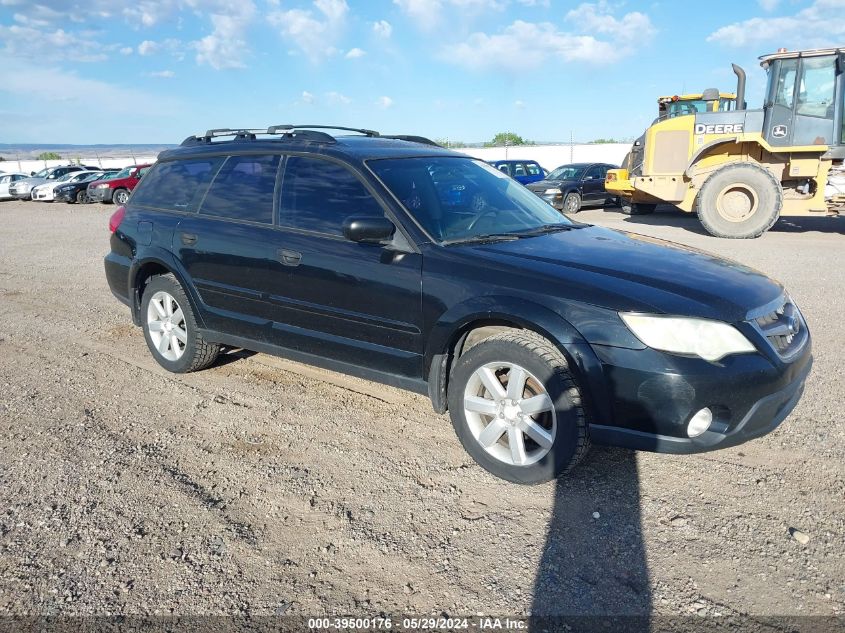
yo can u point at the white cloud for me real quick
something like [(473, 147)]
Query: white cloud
[(818, 25), (355, 53), (382, 28), (336, 98), (427, 14), (307, 98), (768, 5), (147, 47), (226, 46), (315, 33), (162, 74), (519, 104), (384, 102), (49, 83), (127, 50), (24, 42), (534, 3)]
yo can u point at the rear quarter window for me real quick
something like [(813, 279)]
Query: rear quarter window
[(178, 185), (244, 188)]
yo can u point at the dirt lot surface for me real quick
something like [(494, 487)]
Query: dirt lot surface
[(265, 487)]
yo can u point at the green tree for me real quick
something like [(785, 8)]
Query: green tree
[(506, 138), (600, 141), (49, 156)]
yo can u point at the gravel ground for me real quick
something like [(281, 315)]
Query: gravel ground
[(263, 487)]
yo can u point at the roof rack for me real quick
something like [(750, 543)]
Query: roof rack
[(275, 129), (412, 139), (301, 132)]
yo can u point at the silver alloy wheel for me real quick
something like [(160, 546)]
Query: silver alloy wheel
[(571, 203), (509, 413), (121, 197), (166, 325)]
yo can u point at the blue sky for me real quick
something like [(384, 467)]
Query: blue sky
[(155, 71)]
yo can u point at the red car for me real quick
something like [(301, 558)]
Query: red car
[(117, 189)]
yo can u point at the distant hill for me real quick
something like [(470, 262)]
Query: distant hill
[(28, 151)]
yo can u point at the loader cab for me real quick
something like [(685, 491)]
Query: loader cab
[(804, 98)]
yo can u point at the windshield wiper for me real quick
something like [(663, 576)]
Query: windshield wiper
[(545, 228), (484, 237)]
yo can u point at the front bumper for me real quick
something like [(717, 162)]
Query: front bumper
[(654, 395), (554, 199), (65, 196), (100, 194), (20, 193), (42, 195)]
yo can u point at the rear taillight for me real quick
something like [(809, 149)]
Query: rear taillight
[(116, 218)]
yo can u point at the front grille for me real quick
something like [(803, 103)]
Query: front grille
[(784, 329)]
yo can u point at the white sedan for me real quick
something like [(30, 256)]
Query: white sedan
[(5, 181), (45, 192)]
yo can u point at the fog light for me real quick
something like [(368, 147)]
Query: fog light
[(700, 422)]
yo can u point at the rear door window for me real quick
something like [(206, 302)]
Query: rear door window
[(244, 189), (177, 185), (318, 195)]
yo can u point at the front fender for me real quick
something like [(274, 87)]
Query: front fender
[(583, 362)]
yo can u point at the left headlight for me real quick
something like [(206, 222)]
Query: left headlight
[(710, 340), (549, 192)]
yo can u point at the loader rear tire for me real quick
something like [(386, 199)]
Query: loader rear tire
[(739, 201)]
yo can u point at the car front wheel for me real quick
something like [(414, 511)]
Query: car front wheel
[(572, 203), (516, 408)]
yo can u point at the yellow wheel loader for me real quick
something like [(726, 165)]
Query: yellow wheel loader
[(741, 170)]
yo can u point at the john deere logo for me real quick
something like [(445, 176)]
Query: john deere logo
[(779, 131)]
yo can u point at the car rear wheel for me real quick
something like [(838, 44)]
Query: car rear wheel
[(170, 328), (516, 408), (120, 196), (572, 203)]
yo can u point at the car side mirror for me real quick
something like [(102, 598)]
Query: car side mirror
[(32, 173), (589, 177), (368, 230)]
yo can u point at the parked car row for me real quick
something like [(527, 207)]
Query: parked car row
[(73, 183), (566, 188)]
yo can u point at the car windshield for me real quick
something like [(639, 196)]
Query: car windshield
[(567, 172), (93, 176), (41, 174), (461, 199), (66, 177), (124, 173)]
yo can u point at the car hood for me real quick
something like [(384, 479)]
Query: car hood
[(625, 271), (542, 185)]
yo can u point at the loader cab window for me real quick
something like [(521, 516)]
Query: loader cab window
[(816, 87), (785, 86)]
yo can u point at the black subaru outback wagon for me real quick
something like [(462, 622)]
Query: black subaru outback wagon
[(396, 260)]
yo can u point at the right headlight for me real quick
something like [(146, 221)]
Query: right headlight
[(548, 192), (707, 339)]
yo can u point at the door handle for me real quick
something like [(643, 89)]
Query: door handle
[(188, 239), (289, 258)]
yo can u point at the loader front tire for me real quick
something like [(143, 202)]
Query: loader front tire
[(739, 201)]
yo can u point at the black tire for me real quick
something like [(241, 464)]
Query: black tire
[(635, 208), (198, 353), (81, 197), (544, 361), (739, 201), (120, 196), (571, 202)]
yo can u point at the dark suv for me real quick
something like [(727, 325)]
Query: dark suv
[(537, 333)]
